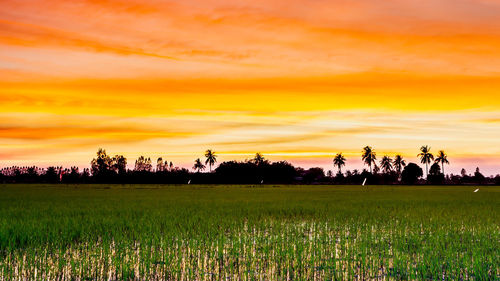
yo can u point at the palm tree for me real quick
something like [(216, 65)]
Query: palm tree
[(339, 161), (442, 158), (369, 156), (211, 158), (399, 163), (198, 165), (426, 157), (386, 164)]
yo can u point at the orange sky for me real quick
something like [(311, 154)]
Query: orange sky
[(296, 80)]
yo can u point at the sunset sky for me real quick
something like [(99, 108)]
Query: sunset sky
[(295, 80)]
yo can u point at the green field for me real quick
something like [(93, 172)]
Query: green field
[(155, 232)]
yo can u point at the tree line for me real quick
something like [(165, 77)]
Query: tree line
[(105, 168)]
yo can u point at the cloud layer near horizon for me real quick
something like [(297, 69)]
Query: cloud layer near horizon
[(298, 80)]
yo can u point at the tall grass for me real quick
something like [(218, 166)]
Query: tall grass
[(151, 232)]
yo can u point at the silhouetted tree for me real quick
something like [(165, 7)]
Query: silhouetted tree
[(425, 157), (160, 166), (478, 177), (435, 176), (386, 164), (237, 172), (497, 180), (198, 165), (314, 174), (369, 156), (435, 169), (280, 172), (31, 174), (442, 158), (259, 159), (330, 173), (51, 174), (73, 176), (256, 170), (119, 164), (143, 164), (463, 172), (411, 173), (102, 164), (211, 158), (85, 175), (339, 161), (399, 163)]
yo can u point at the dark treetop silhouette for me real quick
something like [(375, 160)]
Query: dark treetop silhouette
[(399, 163), (369, 156), (211, 158), (426, 157), (107, 169), (339, 161), (442, 158)]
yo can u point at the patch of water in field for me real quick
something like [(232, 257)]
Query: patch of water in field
[(231, 233), (270, 251)]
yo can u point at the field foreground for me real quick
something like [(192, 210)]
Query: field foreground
[(155, 232)]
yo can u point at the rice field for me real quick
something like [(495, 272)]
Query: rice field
[(162, 232)]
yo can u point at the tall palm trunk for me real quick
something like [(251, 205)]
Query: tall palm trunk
[(442, 167)]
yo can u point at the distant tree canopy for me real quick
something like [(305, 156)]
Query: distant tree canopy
[(119, 164), (435, 176), (101, 164), (435, 169), (259, 159), (257, 170), (478, 177), (143, 164), (411, 173)]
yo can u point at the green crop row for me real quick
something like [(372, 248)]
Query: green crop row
[(154, 232)]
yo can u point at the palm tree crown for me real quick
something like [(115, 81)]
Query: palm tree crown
[(198, 165), (399, 163), (369, 156), (442, 158), (425, 157), (211, 158), (339, 161), (386, 164)]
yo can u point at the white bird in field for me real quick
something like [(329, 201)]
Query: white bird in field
[(262, 181), (476, 190), (189, 181), (364, 182)]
